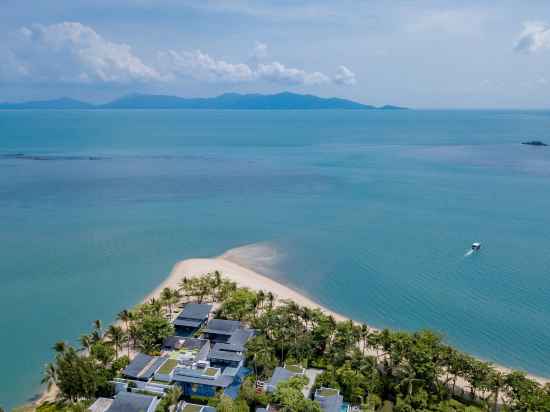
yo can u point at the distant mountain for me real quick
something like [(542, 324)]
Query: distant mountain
[(63, 103), (231, 101), (234, 101)]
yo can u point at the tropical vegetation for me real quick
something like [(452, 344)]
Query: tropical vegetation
[(377, 370)]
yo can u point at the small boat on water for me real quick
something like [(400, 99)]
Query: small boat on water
[(476, 246)]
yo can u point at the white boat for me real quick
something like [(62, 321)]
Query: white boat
[(476, 246)]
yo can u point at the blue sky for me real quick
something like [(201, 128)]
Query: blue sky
[(434, 54)]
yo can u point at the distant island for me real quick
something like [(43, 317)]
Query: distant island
[(227, 101), (535, 143)]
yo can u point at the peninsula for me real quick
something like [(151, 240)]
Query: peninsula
[(218, 336)]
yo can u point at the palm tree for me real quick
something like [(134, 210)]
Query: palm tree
[(86, 342), (270, 300), (59, 347), (96, 334), (116, 337), (124, 316), (170, 297), (49, 376), (155, 306)]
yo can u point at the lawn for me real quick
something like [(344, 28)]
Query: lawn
[(168, 366), (294, 368), (210, 371), (327, 392)]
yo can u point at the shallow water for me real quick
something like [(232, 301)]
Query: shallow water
[(370, 213)]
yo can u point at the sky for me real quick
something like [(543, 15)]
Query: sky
[(414, 53)]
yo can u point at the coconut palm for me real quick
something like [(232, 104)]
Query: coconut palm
[(170, 297), (116, 337), (60, 347), (124, 317), (85, 342)]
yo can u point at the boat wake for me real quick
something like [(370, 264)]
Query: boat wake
[(468, 253)]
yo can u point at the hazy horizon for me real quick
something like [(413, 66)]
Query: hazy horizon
[(424, 54)]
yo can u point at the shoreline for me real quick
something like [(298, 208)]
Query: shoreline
[(234, 269)]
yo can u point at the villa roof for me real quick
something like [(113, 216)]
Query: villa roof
[(222, 326), (229, 347), (279, 375), (218, 353), (198, 311), (131, 402), (221, 381), (240, 337), (143, 366), (177, 342), (100, 405)]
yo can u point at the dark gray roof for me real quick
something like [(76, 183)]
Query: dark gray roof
[(222, 381), (188, 323), (279, 375), (143, 366), (131, 402), (196, 311), (240, 337), (222, 326), (228, 347), (217, 353)]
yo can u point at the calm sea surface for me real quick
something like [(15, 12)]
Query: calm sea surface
[(372, 214)]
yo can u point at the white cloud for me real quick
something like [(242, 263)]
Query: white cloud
[(534, 37), (201, 66), (72, 52), (276, 72), (344, 76)]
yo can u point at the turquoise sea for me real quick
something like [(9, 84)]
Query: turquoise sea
[(372, 213)]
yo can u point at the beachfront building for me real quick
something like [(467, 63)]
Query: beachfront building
[(192, 318), (221, 330), (330, 399), (220, 367), (125, 402), (231, 353), (143, 367)]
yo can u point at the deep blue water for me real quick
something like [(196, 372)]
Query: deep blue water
[(371, 211)]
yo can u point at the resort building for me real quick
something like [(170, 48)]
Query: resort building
[(192, 318), (221, 330), (330, 399), (125, 402), (143, 367)]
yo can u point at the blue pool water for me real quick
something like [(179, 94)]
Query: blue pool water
[(371, 212)]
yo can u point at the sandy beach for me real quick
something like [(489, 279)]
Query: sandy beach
[(231, 265)]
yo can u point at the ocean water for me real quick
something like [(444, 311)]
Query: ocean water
[(371, 214)]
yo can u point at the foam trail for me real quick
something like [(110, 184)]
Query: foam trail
[(468, 253)]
